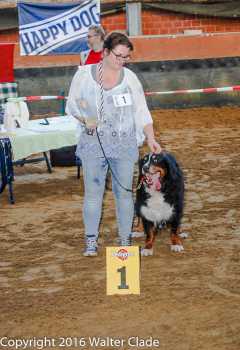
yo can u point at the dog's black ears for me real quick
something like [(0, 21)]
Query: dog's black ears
[(172, 166), (142, 161), (140, 165)]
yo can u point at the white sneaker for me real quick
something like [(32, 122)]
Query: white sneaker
[(90, 253), (91, 247)]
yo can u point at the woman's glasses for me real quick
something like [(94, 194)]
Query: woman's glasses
[(121, 57)]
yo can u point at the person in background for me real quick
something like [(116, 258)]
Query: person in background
[(108, 100), (95, 40)]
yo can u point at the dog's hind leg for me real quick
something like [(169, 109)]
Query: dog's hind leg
[(183, 234)]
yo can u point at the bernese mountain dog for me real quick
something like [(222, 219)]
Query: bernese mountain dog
[(160, 198)]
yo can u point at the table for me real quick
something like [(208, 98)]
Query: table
[(39, 137)]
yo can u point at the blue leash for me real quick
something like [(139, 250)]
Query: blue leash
[(6, 167)]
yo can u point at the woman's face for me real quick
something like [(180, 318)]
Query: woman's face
[(117, 57)]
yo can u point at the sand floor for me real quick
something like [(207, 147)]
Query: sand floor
[(188, 301)]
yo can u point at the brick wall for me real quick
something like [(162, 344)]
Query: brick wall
[(10, 35), (164, 22), (114, 22)]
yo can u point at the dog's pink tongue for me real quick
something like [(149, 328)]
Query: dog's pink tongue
[(156, 182)]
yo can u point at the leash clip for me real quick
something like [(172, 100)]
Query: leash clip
[(140, 184)]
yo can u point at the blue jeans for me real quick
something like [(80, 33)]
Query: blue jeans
[(94, 172)]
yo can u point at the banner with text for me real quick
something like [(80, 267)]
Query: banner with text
[(50, 29)]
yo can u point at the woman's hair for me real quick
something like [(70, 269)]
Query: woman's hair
[(116, 38), (98, 30)]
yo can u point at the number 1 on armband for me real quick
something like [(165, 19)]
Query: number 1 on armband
[(123, 270)]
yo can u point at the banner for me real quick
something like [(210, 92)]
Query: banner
[(6, 63), (50, 29)]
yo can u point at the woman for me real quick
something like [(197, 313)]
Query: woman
[(108, 100)]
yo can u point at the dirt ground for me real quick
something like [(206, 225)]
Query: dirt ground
[(188, 301)]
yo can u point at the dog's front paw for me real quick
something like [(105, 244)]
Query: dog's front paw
[(176, 248), (146, 252)]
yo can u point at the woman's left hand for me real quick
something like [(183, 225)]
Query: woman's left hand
[(154, 146)]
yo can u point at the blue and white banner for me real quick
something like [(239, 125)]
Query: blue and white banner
[(50, 29)]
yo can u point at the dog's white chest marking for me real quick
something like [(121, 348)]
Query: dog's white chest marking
[(157, 209)]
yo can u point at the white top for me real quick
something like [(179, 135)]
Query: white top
[(126, 101)]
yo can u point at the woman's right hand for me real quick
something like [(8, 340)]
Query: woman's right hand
[(80, 119), (91, 123)]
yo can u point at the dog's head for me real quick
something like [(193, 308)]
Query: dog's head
[(155, 169)]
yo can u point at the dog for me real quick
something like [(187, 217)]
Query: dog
[(160, 199)]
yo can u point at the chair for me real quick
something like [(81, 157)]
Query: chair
[(7, 90), (6, 167)]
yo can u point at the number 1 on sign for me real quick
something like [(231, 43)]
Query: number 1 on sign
[(123, 284)]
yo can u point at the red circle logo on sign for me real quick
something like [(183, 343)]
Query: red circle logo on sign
[(122, 254)]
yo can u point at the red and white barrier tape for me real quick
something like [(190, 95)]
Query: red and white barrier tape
[(36, 98), (173, 92), (194, 91)]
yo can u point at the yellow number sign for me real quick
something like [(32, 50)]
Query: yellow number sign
[(123, 270)]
